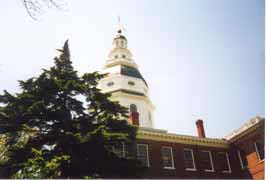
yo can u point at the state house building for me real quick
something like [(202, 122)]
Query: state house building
[(237, 155)]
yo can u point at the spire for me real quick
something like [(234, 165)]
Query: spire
[(120, 54), (120, 26), (120, 40)]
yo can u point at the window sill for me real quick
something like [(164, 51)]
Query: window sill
[(187, 169), (209, 170), (227, 172), (168, 167)]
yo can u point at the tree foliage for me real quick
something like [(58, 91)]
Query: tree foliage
[(61, 126)]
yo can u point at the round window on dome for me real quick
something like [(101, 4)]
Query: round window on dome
[(123, 56), (131, 83), (116, 56), (110, 83)]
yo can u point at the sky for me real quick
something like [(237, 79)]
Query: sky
[(202, 59)]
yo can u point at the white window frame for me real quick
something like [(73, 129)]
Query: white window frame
[(211, 162), (257, 152), (240, 159), (147, 153), (228, 162), (171, 167), (123, 149), (193, 158)]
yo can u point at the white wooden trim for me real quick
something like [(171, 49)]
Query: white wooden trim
[(228, 163), (211, 162), (240, 159), (123, 150), (171, 167), (147, 154), (257, 152), (114, 149), (193, 158)]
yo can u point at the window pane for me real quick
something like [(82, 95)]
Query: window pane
[(260, 149), (205, 160), (243, 158), (110, 84), (188, 159), (223, 163), (133, 108), (166, 157), (118, 149), (142, 154)]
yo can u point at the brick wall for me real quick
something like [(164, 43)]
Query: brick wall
[(244, 142), (156, 169), (255, 168)]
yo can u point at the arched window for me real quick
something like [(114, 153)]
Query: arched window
[(149, 115), (133, 108)]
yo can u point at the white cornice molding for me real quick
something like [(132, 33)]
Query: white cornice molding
[(163, 136), (145, 98), (248, 127), (111, 63)]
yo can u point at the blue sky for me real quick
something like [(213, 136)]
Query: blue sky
[(201, 59)]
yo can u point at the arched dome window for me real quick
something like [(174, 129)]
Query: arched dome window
[(149, 115), (133, 108)]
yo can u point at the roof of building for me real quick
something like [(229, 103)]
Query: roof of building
[(132, 72), (120, 36), (251, 125)]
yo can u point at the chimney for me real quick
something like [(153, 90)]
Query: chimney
[(134, 118), (200, 128)]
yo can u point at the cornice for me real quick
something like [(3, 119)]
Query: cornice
[(246, 133), (111, 63), (144, 98), (163, 136), (246, 129), (130, 92)]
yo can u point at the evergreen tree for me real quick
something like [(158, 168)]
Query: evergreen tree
[(61, 126)]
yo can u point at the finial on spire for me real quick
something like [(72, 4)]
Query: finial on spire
[(120, 26)]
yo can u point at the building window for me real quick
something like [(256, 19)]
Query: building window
[(259, 146), (116, 56), (110, 84), (149, 116), (131, 83), (142, 154), (133, 108), (123, 56), (118, 149), (224, 163), (189, 160), (242, 159), (206, 160), (167, 158)]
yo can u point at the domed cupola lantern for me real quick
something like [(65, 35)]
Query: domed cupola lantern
[(125, 82)]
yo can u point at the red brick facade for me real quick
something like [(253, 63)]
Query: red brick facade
[(246, 143), (255, 167)]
